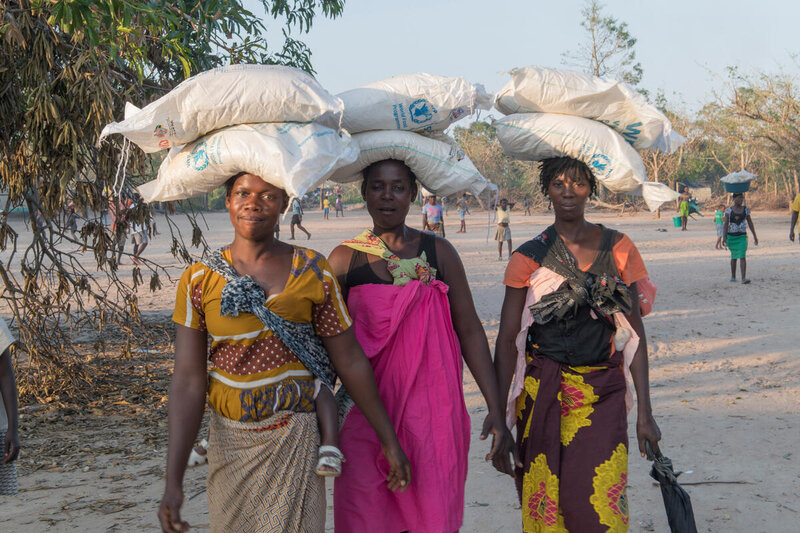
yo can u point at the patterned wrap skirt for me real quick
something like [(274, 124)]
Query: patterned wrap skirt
[(572, 435), (8, 473), (261, 475)]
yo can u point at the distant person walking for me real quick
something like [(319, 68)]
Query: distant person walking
[(526, 203), (503, 233), (297, 218), (326, 208), (139, 239), (433, 217), (339, 206), (463, 209), (684, 208), (795, 210), (719, 223), (737, 219)]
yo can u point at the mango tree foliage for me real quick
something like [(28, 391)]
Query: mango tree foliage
[(66, 69)]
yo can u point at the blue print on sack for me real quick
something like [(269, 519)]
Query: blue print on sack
[(632, 132), (399, 117), (599, 162), (198, 158), (421, 111)]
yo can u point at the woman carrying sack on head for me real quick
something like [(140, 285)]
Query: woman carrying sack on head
[(277, 323), (414, 316), (570, 327)]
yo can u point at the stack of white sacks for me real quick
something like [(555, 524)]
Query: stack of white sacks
[(602, 122), (272, 121), (403, 118)]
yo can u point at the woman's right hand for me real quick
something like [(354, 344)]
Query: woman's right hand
[(399, 477), (169, 512)]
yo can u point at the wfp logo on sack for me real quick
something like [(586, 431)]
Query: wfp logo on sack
[(421, 111), (457, 113), (600, 164), (198, 158)]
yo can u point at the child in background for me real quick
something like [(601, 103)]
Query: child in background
[(719, 218), (326, 207), (503, 232), (684, 209), (9, 420)]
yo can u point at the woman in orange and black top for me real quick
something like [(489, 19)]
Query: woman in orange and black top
[(570, 320)]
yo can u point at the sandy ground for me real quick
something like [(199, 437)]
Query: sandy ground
[(725, 377)]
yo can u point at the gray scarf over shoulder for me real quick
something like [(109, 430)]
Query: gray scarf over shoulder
[(242, 294)]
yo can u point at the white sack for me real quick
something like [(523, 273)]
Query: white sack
[(537, 136), (295, 157), (410, 102), (741, 176), (441, 167), (221, 97), (546, 90), (656, 194)]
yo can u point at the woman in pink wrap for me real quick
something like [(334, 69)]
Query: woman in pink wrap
[(413, 314)]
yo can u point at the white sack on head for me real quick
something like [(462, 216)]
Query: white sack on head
[(441, 167), (295, 157), (221, 97), (410, 102), (741, 176), (537, 136), (545, 90)]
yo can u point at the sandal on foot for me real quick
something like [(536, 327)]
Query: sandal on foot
[(199, 454), (745, 281), (732, 279), (330, 461)]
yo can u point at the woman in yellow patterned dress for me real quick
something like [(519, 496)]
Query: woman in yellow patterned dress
[(570, 333), (265, 305)]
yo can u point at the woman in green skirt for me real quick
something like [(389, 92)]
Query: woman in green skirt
[(737, 219)]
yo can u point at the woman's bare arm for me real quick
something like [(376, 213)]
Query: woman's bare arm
[(474, 347), (505, 355), (187, 399)]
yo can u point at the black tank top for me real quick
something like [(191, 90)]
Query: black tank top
[(580, 340), (361, 273)]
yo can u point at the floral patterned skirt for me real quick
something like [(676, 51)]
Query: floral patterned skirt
[(572, 435)]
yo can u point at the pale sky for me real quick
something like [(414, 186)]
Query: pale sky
[(684, 46)]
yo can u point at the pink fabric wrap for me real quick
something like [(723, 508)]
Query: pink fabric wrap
[(544, 281), (408, 337)]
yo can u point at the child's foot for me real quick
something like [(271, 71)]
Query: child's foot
[(745, 281), (330, 461), (499, 257), (732, 279), (199, 454)]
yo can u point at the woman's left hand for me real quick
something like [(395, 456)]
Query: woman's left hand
[(399, 477), (647, 430), (502, 444)]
